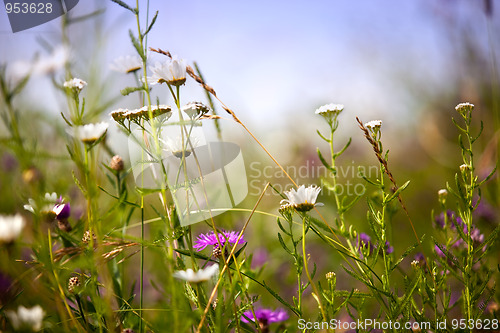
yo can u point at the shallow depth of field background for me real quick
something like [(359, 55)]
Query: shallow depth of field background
[(407, 63)]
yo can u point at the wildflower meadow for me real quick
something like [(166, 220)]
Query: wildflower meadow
[(152, 204)]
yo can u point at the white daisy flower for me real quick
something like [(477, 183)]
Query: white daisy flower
[(52, 62), (49, 201), (26, 318), (304, 199), (76, 84), (199, 276), (126, 64), (178, 147), (89, 133), (329, 110), (194, 109), (374, 124), (172, 72), (10, 227)]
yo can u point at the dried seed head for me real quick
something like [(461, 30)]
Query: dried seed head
[(116, 163), (73, 284), (86, 237), (217, 252)]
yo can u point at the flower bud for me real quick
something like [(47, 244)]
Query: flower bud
[(116, 163)]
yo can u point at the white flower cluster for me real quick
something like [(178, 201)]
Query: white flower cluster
[(89, 133), (75, 83), (10, 228), (198, 276)]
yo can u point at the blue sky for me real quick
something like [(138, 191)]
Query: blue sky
[(273, 59)]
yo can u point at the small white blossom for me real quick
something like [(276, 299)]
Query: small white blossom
[(464, 167), (89, 133), (329, 110), (10, 227), (442, 194), (464, 107), (199, 276), (172, 72), (304, 199), (49, 201), (53, 62), (194, 109), (26, 318), (75, 83), (374, 124), (126, 64), (179, 147)]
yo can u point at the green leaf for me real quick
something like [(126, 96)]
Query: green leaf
[(282, 242), (321, 136), (325, 163), (124, 5), (397, 192), (281, 300), (137, 45), (146, 191), (405, 254), (77, 182), (343, 149), (407, 296), (151, 24), (128, 90)]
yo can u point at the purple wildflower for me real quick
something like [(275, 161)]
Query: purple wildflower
[(62, 211), (204, 240), (388, 248), (484, 210), (439, 252), (419, 257), (265, 316), (364, 241)]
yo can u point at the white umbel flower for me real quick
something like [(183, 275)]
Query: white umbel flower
[(196, 277), (304, 199), (172, 72), (76, 84), (26, 318), (10, 227), (90, 133), (464, 108), (374, 124), (329, 110), (126, 64)]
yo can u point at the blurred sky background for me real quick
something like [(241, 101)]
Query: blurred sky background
[(275, 62)]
